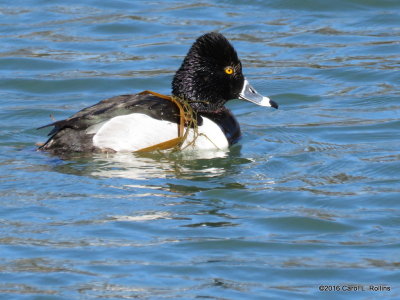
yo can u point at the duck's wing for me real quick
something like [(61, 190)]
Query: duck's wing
[(153, 106)]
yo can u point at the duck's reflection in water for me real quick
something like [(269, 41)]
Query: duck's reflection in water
[(161, 165)]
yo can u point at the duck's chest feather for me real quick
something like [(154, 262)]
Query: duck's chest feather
[(134, 122), (227, 123)]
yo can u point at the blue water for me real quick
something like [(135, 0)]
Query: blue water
[(308, 198)]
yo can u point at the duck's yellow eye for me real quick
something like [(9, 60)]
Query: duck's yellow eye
[(229, 70)]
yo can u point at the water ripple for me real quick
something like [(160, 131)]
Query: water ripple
[(308, 197)]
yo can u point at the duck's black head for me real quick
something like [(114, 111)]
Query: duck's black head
[(211, 74)]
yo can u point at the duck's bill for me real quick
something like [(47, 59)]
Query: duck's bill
[(250, 94)]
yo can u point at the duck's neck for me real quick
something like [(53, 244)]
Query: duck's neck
[(203, 106)]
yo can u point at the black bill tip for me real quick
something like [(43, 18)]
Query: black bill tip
[(273, 104)]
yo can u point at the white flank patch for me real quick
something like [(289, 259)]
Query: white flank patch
[(133, 132)]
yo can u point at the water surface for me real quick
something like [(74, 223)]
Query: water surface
[(309, 197)]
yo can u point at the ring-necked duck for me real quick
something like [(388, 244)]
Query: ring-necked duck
[(210, 75)]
